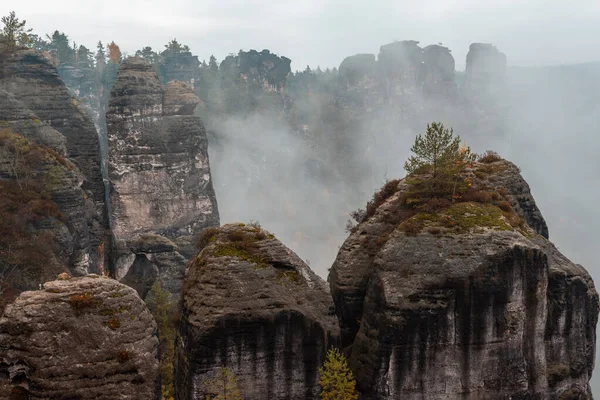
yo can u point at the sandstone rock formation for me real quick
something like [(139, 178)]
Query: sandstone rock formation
[(158, 168), (265, 68), (41, 195), (437, 72), (252, 305), (358, 67), (406, 81), (32, 80), (51, 220), (484, 89), (17, 117), (464, 303), (81, 338)]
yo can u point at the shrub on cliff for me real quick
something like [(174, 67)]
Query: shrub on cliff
[(223, 386), (28, 215), (337, 381)]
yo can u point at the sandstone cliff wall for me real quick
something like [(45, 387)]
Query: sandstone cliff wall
[(250, 304), (467, 303), (84, 338), (158, 167)]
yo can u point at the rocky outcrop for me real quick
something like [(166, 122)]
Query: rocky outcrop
[(179, 99), (406, 80), (437, 72), (32, 80), (86, 338), (400, 62), (252, 305), (158, 168), (47, 222), (357, 68), (466, 302), (51, 221), (485, 66), (152, 257), (15, 116), (265, 68), (484, 90)]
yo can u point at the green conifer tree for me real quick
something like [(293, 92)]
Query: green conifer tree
[(437, 149), (14, 32)]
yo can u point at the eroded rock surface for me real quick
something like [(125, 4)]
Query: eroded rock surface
[(17, 117), (158, 167), (32, 80), (467, 303), (252, 305), (80, 338)]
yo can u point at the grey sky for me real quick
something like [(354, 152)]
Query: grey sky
[(323, 32)]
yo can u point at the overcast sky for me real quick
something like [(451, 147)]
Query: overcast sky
[(323, 32)]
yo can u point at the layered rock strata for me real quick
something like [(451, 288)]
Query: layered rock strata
[(158, 168), (253, 306), (32, 80), (467, 302), (81, 338)]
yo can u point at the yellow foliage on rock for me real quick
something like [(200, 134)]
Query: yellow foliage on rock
[(337, 381)]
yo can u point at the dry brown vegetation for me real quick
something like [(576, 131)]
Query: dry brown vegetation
[(28, 214), (381, 196), (489, 157)]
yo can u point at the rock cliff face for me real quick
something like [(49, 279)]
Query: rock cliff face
[(403, 70), (158, 167), (42, 193), (250, 304), (81, 338), (51, 212), (32, 80), (17, 117), (465, 303)]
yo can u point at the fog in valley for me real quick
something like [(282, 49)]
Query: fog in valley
[(300, 170)]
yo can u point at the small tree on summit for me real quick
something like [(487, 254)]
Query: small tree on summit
[(440, 153), (14, 32), (437, 149), (337, 381)]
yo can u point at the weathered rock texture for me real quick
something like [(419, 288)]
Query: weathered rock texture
[(252, 305), (158, 168), (41, 195), (15, 115), (32, 80), (482, 310), (81, 338), (52, 207)]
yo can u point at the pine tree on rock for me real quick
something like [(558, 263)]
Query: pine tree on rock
[(337, 381), (436, 149), (14, 32)]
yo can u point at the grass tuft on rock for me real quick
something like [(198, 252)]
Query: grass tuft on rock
[(458, 218)]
